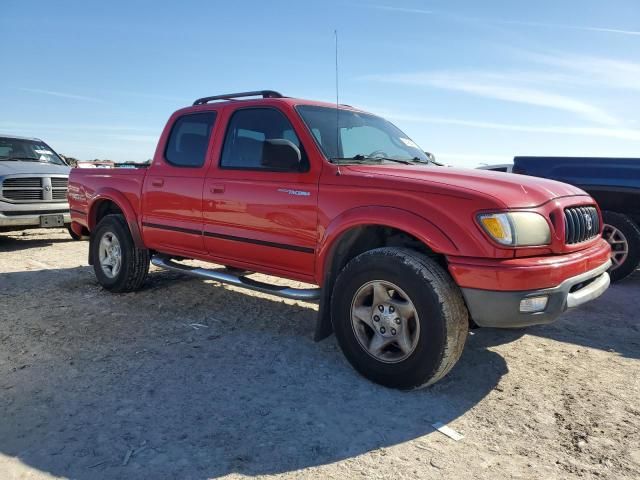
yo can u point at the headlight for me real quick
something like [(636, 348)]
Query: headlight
[(516, 229)]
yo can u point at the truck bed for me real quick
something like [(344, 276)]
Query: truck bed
[(86, 183)]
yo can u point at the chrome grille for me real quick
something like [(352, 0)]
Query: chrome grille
[(59, 195), (59, 182), (581, 224), (23, 194), (23, 189), (35, 189), (22, 182)]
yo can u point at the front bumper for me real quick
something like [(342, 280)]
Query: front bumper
[(501, 309)]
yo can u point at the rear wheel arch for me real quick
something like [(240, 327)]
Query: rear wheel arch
[(101, 208), (114, 203)]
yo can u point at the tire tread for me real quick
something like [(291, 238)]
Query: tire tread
[(139, 258), (449, 296)]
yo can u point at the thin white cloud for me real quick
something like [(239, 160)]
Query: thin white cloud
[(402, 9), (61, 95), (609, 72), (498, 87), (619, 133), (585, 28), (484, 21)]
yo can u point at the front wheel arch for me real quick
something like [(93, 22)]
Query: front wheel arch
[(352, 242)]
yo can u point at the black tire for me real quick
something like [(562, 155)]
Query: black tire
[(631, 234), (439, 305), (73, 234), (134, 265)]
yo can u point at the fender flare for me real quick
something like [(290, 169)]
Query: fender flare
[(419, 227), (117, 197)]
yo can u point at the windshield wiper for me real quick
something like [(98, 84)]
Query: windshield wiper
[(419, 160), (362, 159)]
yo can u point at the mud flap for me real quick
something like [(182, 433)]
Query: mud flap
[(324, 327)]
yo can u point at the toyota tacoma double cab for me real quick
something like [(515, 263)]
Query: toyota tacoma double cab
[(402, 256)]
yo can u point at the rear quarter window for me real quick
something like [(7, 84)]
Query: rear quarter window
[(189, 140)]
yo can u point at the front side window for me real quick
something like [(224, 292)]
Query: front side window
[(24, 150), (346, 134), (259, 139), (189, 140)]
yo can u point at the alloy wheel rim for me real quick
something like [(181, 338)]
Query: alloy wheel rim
[(385, 321), (110, 255), (619, 245)]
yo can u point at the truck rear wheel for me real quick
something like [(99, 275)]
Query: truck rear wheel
[(118, 264), (624, 237), (399, 318)]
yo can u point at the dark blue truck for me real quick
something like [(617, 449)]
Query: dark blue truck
[(615, 184)]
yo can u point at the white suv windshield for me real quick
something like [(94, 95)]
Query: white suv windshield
[(360, 136), (24, 150)]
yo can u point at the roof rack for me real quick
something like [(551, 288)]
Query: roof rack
[(231, 96)]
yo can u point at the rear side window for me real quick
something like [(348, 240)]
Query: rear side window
[(189, 140), (248, 131)]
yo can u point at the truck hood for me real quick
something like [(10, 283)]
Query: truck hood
[(35, 168), (512, 190)]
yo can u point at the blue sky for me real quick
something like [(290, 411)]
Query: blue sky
[(474, 82)]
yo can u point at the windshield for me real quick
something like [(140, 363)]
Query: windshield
[(361, 137), (20, 149)]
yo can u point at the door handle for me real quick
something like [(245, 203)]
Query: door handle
[(157, 182), (217, 189)]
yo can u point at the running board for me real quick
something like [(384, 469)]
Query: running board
[(306, 294)]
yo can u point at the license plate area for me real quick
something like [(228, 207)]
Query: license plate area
[(51, 221)]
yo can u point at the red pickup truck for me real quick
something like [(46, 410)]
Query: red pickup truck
[(406, 255)]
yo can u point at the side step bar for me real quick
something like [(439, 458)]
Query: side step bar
[(306, 294)]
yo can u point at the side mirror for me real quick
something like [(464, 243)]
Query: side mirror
[(281, 154)]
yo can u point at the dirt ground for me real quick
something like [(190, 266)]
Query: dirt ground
[(193, 380)]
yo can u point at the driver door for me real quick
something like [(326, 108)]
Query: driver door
[(255, 214)]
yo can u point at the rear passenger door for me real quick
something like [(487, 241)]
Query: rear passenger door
[(172, 194), (261, 214)]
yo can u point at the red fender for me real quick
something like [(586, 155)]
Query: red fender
[(123, 203), (403, 220)]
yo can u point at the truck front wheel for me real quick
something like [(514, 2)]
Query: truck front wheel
[(624, 237), (118, 264), (399, 318)]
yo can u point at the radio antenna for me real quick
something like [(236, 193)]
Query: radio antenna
[(335, 33)]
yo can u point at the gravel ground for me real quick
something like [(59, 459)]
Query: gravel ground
[(192, 380)]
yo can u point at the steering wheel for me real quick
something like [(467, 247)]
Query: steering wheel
[(378, 153)]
